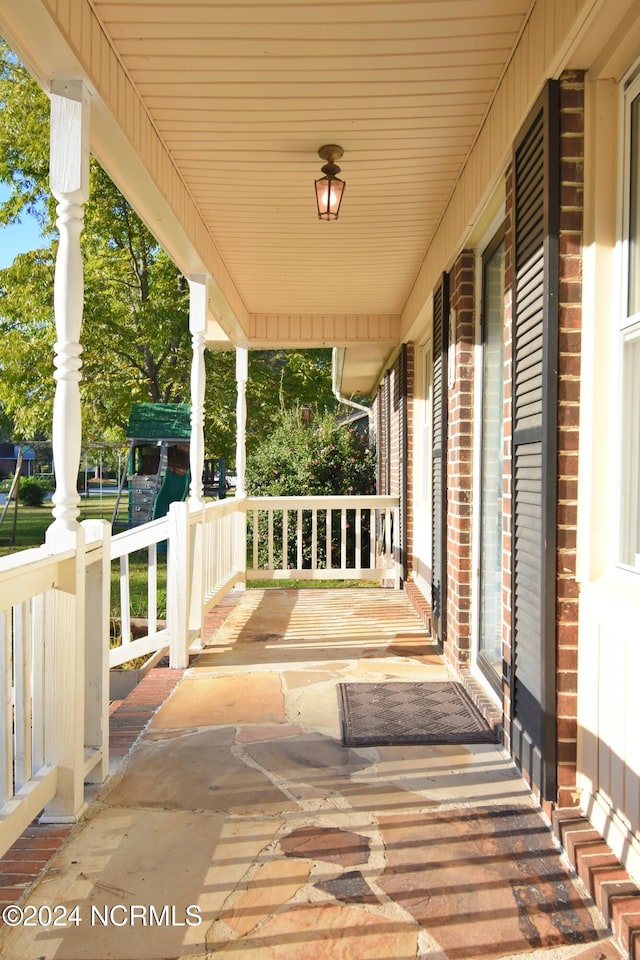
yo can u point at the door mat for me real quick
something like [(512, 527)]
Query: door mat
[(393, 714)]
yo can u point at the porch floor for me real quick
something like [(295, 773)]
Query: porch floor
[(240, 800)]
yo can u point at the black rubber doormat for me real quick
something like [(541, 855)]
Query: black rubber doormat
[(393, 714)]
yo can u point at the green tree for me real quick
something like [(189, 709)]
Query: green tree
[(281, 380), (28, 335), (136, 313)]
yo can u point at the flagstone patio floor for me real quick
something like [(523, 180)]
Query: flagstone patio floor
[(239, 826)]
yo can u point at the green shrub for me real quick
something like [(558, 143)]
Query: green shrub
[(321, 458), (31, 492)]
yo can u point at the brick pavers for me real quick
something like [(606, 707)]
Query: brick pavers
[(25, 860), (130, 718)]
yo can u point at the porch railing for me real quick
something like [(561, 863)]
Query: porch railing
[(322, 538), (147, 541), (53, 702), (56, 646)]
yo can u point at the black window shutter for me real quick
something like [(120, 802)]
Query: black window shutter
[(379, 441), (387, 433), (439, 458), (535, 372), (403, 443)]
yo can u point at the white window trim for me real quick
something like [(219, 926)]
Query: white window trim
[(628, 328)]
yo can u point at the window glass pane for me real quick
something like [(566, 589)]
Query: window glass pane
[(630, 439), (634, 211), (490, 626)]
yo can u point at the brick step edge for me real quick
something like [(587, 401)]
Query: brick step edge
[(419, 603), (614, 893)]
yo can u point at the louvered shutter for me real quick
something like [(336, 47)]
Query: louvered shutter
[(439, 458), (535, 324), (387, 433), (402, 466), (379, 441)]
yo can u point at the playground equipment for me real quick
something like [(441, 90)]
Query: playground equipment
[(12, 496), (156, 472)]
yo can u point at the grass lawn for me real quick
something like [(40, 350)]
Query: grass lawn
[(32, 522)]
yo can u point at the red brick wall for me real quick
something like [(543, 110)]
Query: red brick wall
[(460, 465), (569, 347)]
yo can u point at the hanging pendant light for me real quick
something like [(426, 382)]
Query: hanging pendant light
[(329, 189)]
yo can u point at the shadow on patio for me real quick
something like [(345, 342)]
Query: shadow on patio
[(240, 826)]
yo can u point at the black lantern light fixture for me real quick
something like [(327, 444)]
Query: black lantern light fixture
[(329, 189)]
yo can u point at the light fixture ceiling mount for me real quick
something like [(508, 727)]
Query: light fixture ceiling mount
[(330, 188)]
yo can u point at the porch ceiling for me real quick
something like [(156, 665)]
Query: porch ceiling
[(242, 93)]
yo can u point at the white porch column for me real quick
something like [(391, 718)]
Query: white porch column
[(197, 326), (242, 370), (69, 178), (64, 653)]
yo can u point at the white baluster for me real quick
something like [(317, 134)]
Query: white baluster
[(242, 373), (197, 326), (69, 179)]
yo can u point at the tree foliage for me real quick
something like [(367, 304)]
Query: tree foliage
[(320, 458)]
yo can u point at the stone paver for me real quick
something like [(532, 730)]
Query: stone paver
[(240, 803)]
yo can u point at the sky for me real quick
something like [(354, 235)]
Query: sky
[(17, 238)]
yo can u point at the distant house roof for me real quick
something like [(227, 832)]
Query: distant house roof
[(159, 421), (9, 451)]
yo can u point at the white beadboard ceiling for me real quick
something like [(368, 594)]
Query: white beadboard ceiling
[(243, 93)]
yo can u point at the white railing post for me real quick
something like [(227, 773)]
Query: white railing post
[(239, 554), (196, 549), (395, 553), (179, 578), (197, 326), (64, 690), (97, 616)]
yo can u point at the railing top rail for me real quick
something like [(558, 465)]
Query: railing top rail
[(31, 572), (34, 558), (366, 502), (216, 508), (139, 537)]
